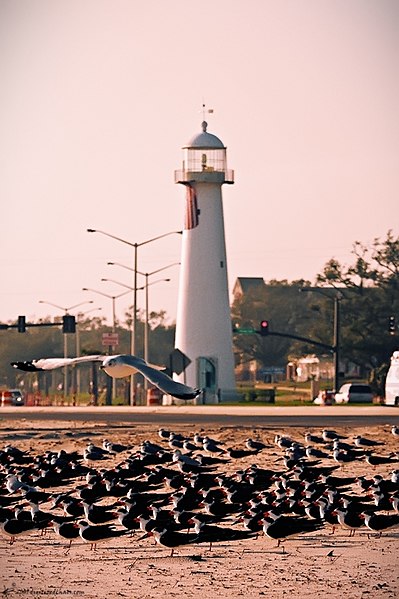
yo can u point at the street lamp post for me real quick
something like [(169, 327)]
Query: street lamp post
[(78, 346), (135, 271), (336, 328), (146, 328), (336, 341), (66, 311), (146, 275), (113, 298)]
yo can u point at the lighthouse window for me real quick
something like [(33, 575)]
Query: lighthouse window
[(205, 159), (221, 264)]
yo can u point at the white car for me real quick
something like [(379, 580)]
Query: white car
[(392, 382), (354, 393)]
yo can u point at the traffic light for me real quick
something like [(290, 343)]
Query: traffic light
[(392, 325), (264, 327), (21, 326), (68, 324)]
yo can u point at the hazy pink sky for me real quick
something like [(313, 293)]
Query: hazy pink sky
[(98, 97)]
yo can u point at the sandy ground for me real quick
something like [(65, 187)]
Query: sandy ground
[(310, 564)]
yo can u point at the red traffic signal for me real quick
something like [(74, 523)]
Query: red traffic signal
[(264, 327)]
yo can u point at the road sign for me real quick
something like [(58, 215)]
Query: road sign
[(179, 361), (109, 339), (271, 370), (244, 331)]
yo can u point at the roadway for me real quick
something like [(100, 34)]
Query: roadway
[(253, 417)]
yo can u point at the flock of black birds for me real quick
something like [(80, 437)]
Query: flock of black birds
[(183, 489)]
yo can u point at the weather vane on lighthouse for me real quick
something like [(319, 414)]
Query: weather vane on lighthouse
[(205, 111)]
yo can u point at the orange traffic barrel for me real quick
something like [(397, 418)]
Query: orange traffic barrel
[(6, 399), (153, 397)]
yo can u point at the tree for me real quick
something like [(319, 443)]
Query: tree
[(370, 289), (280, 303)]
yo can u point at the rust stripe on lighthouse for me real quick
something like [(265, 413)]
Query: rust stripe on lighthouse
[(192, 211)]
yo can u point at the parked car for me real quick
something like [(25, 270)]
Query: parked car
[(354, 393), (11, 397), (392, 382)]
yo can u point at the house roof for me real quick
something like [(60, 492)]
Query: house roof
[(245, 284)]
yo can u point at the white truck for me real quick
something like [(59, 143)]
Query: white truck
[(392, 382)]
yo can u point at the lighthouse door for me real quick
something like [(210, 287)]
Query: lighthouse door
[(207, 378)]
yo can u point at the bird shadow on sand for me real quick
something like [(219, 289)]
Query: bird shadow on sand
[(15, 436)]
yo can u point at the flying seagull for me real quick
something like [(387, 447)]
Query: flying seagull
[(117, 366)]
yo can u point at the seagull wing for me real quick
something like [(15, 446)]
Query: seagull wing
[(161, 380), (52, 363)]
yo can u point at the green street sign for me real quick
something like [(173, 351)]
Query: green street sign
[(245, 331)]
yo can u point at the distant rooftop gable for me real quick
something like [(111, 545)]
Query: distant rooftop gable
[(245, 284)]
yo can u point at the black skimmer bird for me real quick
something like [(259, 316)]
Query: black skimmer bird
[(128, 519), (220, 509), (237, 453), (97, 534), (279, 527), (170, 538), (211, 533), (14, 528), (37, 496), (381, 501), (15, 455), (66, 530), (92, 493), (383, 485), (337, 481), (326, 513), (40, 518), (117, 366), (348, 519), (380, 522), (251, 521), (99, 514)]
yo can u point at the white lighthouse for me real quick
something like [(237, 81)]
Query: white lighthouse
[(203, 324)]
